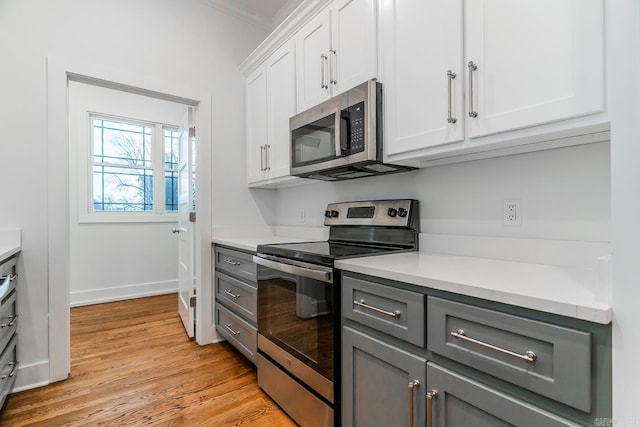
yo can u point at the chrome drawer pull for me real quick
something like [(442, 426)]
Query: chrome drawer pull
[(13, 319), (528, 356), (450, 76), (13, 371), (472, 67), (228, 326), (394, 314), (231, 294), (433, 394), (412, 386), (232, 262)]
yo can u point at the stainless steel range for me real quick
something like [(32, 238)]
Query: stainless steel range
[(299, 304)]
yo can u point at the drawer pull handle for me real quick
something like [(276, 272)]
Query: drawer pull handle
[(228, 326), (433, 394), (231, 294), (394, 314), (13, 319), (528, 356), (13, 371), (232, 262), (412, 386)]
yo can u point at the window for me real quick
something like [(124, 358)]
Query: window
[(132, 168)]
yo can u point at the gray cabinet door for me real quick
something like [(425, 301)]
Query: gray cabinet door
[(461, 402), (375, 383)]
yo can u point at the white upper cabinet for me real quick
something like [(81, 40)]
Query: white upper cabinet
[(537, 62), (473, 76), (336, 50), (422, 74), (271, 101), (256, 124)]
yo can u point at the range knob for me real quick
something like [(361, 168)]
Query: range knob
[(327, 214), (392, 212), (334, 214), (402, 212)]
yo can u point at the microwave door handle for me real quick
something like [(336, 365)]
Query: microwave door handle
[(323, 274), (338, 135), (345, 132)]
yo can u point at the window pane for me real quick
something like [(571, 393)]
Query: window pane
[(121, 143), (122, 189), (170, 148), (171, 190)]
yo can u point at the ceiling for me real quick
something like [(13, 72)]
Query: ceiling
[(265, 13)]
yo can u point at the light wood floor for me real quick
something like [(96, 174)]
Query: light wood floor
[(132, 364)]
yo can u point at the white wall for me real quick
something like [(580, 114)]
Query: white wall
[(564, 192), (115, 261), (170, 40)]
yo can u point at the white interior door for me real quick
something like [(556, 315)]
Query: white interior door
[(185, 229)]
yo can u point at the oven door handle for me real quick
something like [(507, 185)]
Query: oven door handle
[(323, 274)]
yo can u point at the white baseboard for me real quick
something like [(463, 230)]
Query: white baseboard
[(119, 293), (31, 376)]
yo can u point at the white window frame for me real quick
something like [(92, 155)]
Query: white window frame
[(85, 147)]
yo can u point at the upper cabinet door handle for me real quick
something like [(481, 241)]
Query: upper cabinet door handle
[(472, 67), (333, 66), (323, 62), (450, 76)]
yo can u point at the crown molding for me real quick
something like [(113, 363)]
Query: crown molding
[(287, 29), (229, 8)]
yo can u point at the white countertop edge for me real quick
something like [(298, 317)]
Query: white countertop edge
[(251, 243), (592, 311), (10, 243)]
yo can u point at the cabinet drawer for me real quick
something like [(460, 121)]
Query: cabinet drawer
[(8, 367), (8, 318), (560, 358), (237, 295), (394, 311), (461, 401), (241, 334), (236, 263)]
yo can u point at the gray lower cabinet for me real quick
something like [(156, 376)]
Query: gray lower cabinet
[(236, 292), (8, 326), (457, 400), (382, 384)]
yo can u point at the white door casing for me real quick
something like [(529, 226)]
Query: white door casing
[(185, 229)]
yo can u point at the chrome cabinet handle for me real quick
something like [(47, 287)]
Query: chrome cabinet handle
[(472, 67), (323, 62), (262, 158), (450, 76), (415, 384), (228, 326), (232, 262), (267, 149), (528, 356), (433, 394), (395, 314), (13, 321), (333, 66), (231, 294), (13, 371)]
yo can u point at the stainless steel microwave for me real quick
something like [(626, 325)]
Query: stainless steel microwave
[(341, 138)]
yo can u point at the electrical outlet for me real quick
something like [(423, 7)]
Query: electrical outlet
[(512, 212), (301, 215)]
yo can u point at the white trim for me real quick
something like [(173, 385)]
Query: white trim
[(125, 292), (59, 71), (229, 8), (29, 376)]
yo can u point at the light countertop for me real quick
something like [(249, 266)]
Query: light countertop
[(251, 243), (10, 243), (559, 290)]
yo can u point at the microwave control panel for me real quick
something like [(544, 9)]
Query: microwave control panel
[(353, 126)]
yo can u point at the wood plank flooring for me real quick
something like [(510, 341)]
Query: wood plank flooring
[(132, 365)]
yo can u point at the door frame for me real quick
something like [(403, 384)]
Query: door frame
[(59, 71)]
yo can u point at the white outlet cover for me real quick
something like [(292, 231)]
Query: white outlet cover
[(512, 212)]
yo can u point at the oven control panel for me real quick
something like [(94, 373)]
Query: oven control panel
[(382, 213)]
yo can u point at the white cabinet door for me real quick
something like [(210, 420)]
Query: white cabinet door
[(353, 54), (537, 62), (256, 108), (281, 101), (313, 42), (421, 41)]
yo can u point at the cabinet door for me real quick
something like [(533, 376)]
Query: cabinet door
[(461, 401), (256, 107), (421, 41), (312, 46), (281, 101), (375, 383), (537, 62), (352, 57)]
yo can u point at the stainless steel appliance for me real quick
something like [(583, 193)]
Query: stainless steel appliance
[(342, 137), (299, 304)]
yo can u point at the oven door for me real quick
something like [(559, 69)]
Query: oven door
[(296, 319)]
